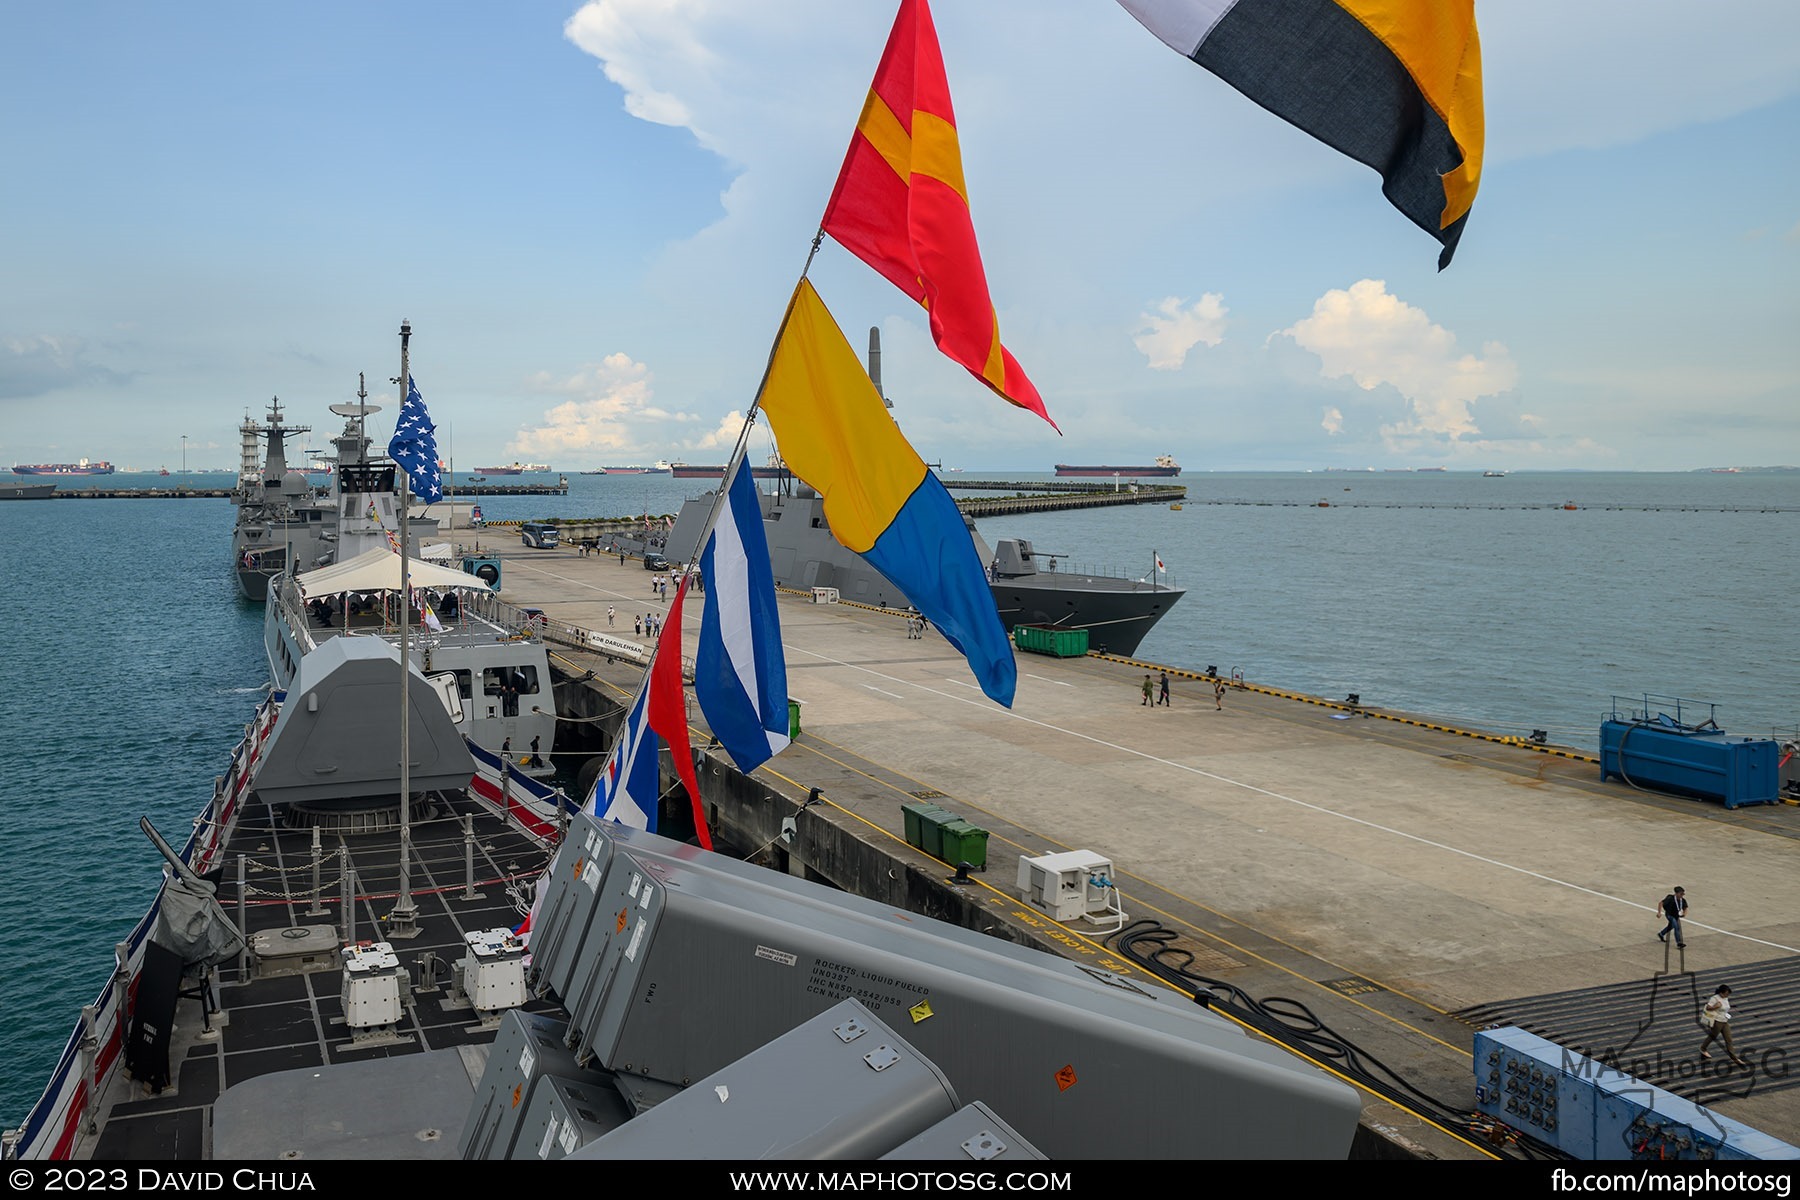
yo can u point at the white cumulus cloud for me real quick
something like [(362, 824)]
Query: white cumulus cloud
[(1375, 338), (610, 407), (631, 38), (1167, 332)]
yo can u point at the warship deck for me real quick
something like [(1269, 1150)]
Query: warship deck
[(282, 1020)]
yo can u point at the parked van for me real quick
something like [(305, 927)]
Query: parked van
[(540, 536)]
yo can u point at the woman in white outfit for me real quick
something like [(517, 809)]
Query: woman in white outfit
[(1716, 1016)]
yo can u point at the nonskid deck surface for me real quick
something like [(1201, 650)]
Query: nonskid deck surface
[(294, 1021), (1650, 1027)]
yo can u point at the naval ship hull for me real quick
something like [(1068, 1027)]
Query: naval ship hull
[(1118, 612), (81, 468), (717, 471)]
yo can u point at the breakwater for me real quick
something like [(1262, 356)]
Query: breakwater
[(1007, 506), (226, 493), (1052, 485)]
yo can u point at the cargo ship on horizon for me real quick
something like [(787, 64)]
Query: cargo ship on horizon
[(1165, 467), (681, 470), (660, 468), (84, 467)]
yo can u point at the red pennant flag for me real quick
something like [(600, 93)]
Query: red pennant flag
[(900, 205), (668, 709)]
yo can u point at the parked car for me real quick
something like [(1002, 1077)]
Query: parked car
[(540, 536), (655, 562)]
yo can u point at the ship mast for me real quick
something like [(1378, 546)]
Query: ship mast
[(875, 363), (404, 920)]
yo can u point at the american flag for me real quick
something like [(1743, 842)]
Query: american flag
[(415, 445)]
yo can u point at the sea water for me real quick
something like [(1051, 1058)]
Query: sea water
[(131, 666)]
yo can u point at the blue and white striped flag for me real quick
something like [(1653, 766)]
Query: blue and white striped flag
[(629, 787), (414, 445), (740, 672)]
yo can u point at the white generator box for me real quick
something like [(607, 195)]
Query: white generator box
[(825, 595), (493, 974), (1067, 886), (371, 988)]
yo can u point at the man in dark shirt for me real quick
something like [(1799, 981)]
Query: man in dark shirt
[(1674, 907)]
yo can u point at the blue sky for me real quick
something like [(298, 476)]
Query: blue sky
[(592, 215)]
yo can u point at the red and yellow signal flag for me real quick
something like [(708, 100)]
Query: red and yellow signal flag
[(901, 205)]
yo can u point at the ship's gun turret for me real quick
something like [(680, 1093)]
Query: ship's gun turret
[(1014, 557)]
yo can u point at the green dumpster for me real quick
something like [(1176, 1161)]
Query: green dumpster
[(965, 843), (915, 813), (1050, 639), (793, 719), (931, 830)]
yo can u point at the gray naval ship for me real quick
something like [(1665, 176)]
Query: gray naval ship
[(381, 941), (282, 519), (335, 968), (330, 973), (1116, 610), (285, 524)]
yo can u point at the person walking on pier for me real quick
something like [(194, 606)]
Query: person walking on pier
[(609, 616), (1219, 694), (1716, 1016), (1162, 695), (1674, 907), (1147, 689)]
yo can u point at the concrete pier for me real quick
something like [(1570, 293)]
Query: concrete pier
[(1406, 881)]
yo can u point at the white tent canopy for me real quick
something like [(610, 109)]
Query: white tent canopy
[(378, 570)]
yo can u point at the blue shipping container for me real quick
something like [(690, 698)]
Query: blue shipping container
[(1707, 763)]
